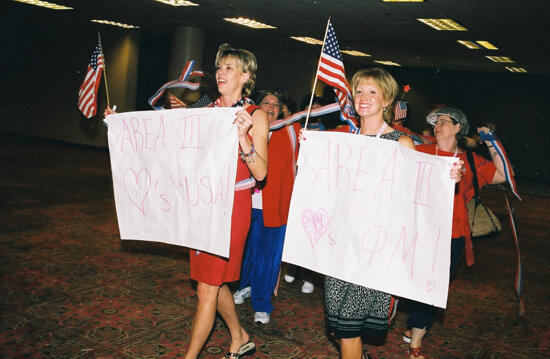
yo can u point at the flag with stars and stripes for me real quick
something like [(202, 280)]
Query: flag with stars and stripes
[(87, 94), (332, 72), (400, 110)]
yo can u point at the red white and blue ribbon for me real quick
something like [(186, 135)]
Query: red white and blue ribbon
[(502, 154), (518, 282), (180, 82), (333, 107)]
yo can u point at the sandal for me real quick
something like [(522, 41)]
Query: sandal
[(416, 352), (247, 349)]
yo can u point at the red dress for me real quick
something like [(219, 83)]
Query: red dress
[(214, 270)]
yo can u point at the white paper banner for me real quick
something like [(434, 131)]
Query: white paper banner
[(371, 212), (174, 175)]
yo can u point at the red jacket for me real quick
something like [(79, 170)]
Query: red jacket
[(281, 170)]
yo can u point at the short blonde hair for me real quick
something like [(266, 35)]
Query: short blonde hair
[(245, 59), (387, 85)]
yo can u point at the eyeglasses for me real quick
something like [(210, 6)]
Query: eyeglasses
[(443, 121)]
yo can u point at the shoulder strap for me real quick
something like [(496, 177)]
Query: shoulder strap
[(472, 163)]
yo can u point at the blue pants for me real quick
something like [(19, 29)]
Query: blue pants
[(421, 314), (262, 261)]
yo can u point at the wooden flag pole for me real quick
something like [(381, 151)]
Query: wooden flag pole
[(316, 73), (104, 70)]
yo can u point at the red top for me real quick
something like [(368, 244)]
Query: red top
[(215, 270), (464, 192), (281, 171)]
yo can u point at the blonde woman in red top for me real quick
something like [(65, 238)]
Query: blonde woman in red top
[(235, 76)]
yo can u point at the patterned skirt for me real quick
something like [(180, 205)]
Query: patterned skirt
[(354, 310)]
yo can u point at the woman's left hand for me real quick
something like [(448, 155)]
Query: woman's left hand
[(457, 170), (243, 121)]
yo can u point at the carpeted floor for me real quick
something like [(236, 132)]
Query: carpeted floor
[(71, 289)]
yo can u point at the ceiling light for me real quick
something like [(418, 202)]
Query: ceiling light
[(469, 44), (46, 4), (309, 40), (250, 23), (487, 45), (178, 2), (516, 69), (387, 63), (354, 53), (402, 0), (503, 59), (114, 23), (443, 24)]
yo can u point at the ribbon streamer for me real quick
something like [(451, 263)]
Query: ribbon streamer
[(502, 154), (518, 282), (180, 82), (333, 107)]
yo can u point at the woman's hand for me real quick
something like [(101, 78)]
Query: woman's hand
[(109, 111), (244, 122), (302, 135), (457, 170)]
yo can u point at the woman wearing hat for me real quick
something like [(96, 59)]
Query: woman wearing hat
[(450, 128)]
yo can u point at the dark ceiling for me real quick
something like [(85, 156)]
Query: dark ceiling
[(387, 31)]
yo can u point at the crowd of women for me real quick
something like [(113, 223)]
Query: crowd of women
[(260, 212)]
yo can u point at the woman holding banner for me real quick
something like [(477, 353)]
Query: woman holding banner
[(235, 77), (354, 310), (450, 130)]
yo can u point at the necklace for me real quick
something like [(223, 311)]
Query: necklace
[(380, 131)]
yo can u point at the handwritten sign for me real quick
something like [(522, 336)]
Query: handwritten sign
[(371, 212), (174, 175)]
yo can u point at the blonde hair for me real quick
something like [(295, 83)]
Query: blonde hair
[(387, 85), (245, 59)]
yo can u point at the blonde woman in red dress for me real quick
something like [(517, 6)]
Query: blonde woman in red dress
[(235, 76)]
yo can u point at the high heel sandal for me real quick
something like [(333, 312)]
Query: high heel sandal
[(247, 349)]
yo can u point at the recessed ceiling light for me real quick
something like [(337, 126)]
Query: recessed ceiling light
[(469, 44), (402, 0), (354, 53), (306, 39), (178, 2), (45, 4), (516, 69), (503, 59), (487, 45), (249, 22), (387, 63), (443, 24), (114, 23)]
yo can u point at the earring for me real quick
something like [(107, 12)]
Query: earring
[(384, 109)]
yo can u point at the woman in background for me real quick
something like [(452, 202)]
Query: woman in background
[(450, 129), (270, 205)]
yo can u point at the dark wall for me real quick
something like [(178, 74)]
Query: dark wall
[(44, 66)]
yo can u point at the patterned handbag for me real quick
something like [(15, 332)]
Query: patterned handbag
[(483, 221)]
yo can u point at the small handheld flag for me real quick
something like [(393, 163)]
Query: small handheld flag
[(87, 94), (331, 71)]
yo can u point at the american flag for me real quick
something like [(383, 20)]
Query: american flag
[(400, 110), (332, 72), (87, 94)]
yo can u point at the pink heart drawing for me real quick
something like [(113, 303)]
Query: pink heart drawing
[(315, 224), (430, 285), (137, 187)]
